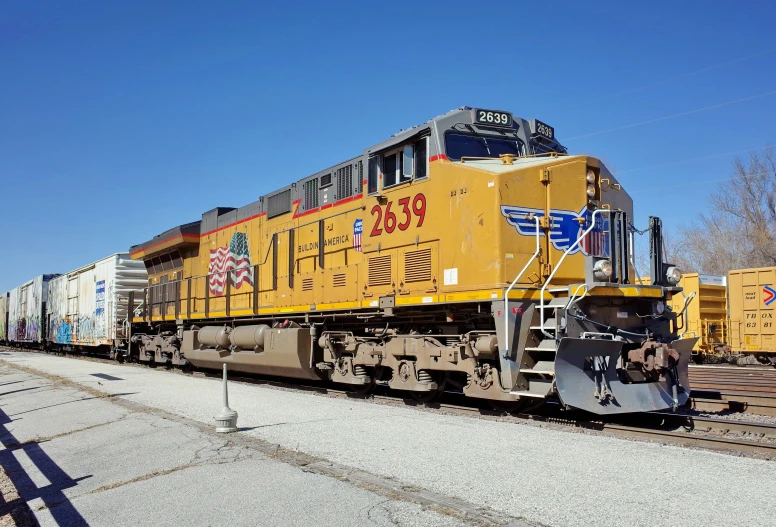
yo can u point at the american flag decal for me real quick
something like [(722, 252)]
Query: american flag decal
[(358, 228), (596, 242), (233, 261)]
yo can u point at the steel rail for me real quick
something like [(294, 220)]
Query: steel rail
[(704, 432)]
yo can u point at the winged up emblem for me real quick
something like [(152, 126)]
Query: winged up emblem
[(565, 228)]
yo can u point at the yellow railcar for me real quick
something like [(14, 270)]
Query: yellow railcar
[(752, 311), (470, 250), (706, 313)]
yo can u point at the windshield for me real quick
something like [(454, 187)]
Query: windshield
[(542, 146), (465, 145)]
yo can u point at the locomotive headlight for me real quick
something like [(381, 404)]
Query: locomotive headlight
[(590, 190), (673, 275), (590, 176), (602, 270), (659, 307)]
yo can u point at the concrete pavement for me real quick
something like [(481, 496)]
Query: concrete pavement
[(78, 459), (542, 476)]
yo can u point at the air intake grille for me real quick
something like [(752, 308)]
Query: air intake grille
[(339, 280), (417, 266), (311, 194), (325, 180), (380, 270), (307, 284), (279, 204), (345, 182)]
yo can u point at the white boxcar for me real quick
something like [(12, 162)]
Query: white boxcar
[(4, 317), (27, 311), (88, 307)]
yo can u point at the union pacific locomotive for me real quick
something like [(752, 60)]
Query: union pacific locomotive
[(470, 252)]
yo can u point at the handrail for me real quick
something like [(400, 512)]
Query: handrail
[(555, 269), (519, 275)]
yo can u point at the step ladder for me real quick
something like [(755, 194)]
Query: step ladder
[(551, 320)]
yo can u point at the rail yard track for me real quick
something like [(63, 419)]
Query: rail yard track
[(750, 390), (683, 429)]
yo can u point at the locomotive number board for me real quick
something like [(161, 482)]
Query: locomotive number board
[(544, 130), (493, 118)]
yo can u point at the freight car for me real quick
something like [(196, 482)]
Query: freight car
[(468, 252), (752, 312), (4, 318), (703, 305), (88, 308), (27, 312)]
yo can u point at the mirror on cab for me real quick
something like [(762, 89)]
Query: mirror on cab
[(409, 157)]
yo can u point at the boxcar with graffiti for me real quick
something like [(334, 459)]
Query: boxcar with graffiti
[(3, 317), (27, 309), (87, 307)]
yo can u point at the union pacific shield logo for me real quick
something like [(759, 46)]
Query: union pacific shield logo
[(565, 229)]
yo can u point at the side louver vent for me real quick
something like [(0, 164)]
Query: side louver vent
[(380, 270), (279, 204), (417, 266), (307, 284), (339, 280)]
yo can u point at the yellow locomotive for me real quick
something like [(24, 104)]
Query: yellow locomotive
[(468, 252)]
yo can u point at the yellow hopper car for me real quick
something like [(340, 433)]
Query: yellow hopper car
[(470, 252)]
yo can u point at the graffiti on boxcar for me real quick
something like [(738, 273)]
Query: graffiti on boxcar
[(24, 330), (63, 332)]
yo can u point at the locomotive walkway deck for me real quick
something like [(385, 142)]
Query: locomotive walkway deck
[(121, 436)]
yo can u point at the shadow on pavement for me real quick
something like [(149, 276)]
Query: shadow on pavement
[(20, 390), (75, 401), (60, 507)]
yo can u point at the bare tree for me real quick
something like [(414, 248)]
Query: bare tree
[(741, 232)]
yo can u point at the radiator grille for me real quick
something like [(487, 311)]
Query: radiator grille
[(307, 284), (279, 204), (380, 270), (417, 265), (339, 280), (310, 194), (345, 182)]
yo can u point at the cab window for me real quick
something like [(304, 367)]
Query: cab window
[(466, 145), (406, 163)]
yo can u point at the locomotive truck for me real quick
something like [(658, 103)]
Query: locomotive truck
[(471, 252)]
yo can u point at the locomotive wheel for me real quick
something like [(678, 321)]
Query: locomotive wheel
[(433, 395)]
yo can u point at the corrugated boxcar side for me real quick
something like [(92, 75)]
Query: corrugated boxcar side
[(706, 316), (26, 309), (131, 275), (3, 317), (88, 305), (752, 308)]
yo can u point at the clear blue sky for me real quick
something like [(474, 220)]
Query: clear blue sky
[(122, 119)]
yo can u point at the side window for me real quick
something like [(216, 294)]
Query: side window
[(176, 260), (374, 175), (389, 170), (421, 158)]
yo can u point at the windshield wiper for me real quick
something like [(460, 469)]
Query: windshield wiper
[(478, 136)]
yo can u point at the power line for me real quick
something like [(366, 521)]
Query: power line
[(672, 163), (672, 79), (690, 112), (654, 189)]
